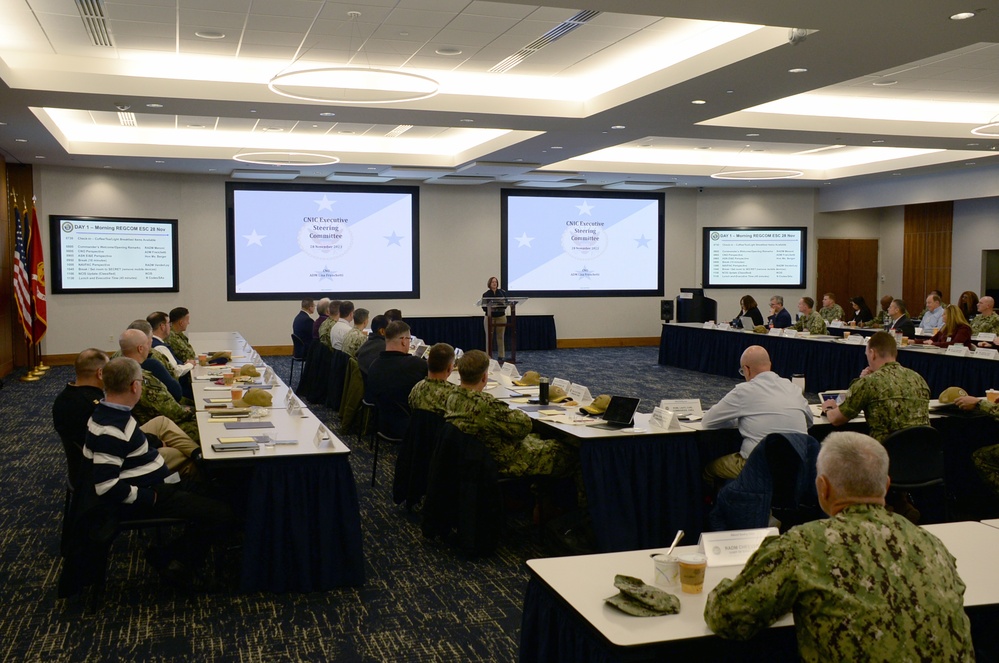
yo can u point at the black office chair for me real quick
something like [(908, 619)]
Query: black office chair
[(916, 463), (383, 432), (297, 355), (412, 467), (794, 500)]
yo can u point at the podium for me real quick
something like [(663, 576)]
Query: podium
[(494, 303)]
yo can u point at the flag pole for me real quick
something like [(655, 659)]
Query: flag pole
[(40, 367)]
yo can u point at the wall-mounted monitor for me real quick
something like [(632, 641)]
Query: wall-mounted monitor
[(582, 244), (93, 254), (755, 257), (286, 241)]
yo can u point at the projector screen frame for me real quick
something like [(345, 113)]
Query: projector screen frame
[(55, 276), (231, 187), (706, 265), (659, 198)]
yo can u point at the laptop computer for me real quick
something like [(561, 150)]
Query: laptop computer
[(422, 350), (620, 413), (747, 322)]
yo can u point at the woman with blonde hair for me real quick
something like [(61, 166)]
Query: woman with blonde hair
[(955, 329)]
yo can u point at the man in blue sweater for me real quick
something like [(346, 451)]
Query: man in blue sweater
[(128, 473)]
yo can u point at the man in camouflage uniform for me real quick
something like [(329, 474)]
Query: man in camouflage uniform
[(891, 396), (506, 432), (986, 459), (810, 321), (356, 337), (986, 321), (156, 399), (180, 318), (830, 309), (327, 324), (432, 392), (863, 584)]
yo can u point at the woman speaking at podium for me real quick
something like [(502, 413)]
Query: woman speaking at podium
[(498, 314)]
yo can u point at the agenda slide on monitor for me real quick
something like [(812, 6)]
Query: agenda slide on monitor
[(289, 240), (754, 257), (565, 244), (109, 255)]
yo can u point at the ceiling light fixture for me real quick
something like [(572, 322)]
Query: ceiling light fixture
[(154, 105), (758, 174), (353, 84), (209, 34), (990, 130), (327, 114), (797, 70), (618, 126), (282, 158), (960, 16), (887, 83), (448, 50), (698, 102)]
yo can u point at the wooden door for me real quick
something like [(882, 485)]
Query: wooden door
[(848, 268)]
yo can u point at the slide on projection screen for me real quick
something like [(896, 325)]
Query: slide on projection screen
[(582, 244), (288, 241)]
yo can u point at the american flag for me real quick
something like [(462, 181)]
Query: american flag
[(22, 284)]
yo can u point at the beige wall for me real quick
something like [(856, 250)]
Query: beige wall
[(459, 251)]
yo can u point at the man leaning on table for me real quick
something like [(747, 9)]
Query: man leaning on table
[(765, 403), (863, 584), (779, 317), (809, 321)]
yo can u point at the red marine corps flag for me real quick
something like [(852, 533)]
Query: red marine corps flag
[(22, 285), (36, 263)]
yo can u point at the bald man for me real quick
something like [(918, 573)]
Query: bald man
[(156, 399), (986, 321), (765, 403)]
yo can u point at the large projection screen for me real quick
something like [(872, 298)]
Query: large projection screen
[(97, 254), (582, 244), (285, 241), (754, 257)]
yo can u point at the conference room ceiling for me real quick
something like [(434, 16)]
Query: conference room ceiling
[(639, 94)]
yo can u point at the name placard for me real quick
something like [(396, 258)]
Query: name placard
[(579, 393), (790, 332), (494, 366), (664, 419), (984, 336), (509, 370), (774, 331), (836, 323), (957, 350), (683, 407), (710, 324), (857, 339), (985, 353), (562, 384), (919, 331), (323, 438), (733, 547)]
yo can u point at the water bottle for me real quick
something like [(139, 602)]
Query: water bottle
[(543, 391)]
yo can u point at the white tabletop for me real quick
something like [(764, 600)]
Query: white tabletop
[(584, 581), (993, 522), (208, 389), (301, 428)]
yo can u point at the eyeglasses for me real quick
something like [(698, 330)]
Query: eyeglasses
[(406, 338), (742, 371)]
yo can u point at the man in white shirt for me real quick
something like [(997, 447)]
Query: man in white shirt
[(933, 318), (160, 322), (343, 325), (765, 403)]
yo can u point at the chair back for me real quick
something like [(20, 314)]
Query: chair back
[(298, 347), (463, 493), (412, 467), (916, 457)]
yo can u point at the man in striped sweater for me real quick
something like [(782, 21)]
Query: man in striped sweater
[(130, 474)]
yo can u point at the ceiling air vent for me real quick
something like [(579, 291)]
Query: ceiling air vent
[(553, 35), (94, 17)]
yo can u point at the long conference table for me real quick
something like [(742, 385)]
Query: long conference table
[(302, 517), (565, 617), (826, 361)]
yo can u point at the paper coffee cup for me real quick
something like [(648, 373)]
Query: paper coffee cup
[(237, 393), (846, 334), (228, 378), (992, 395), (667, 571), (692, 568)]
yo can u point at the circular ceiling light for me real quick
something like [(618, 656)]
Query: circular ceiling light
[(448, 50), (354, 85), (797, 70), (990, 130), (154, 105), (960, 16), (209, 34), (760, 174), (278, 158), (884, 83), (698, 102)]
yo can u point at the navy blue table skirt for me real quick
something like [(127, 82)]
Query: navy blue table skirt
[(825, 365), (534, 332), (303, 526)]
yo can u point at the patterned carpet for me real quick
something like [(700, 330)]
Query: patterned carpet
[(421, 601)]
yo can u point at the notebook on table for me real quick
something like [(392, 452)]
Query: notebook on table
[(620, 413)]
